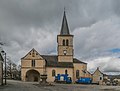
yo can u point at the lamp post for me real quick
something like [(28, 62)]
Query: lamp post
[(5, 66)]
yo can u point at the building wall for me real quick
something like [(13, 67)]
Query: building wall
[(88, 74), (26, 63), (58, 71), (26, 66), (98, 77), (81, 68), (69, 54), (25, 70)]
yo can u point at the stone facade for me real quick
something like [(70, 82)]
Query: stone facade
[(33, 65), (98, 77)]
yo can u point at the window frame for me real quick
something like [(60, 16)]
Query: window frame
[(77, 73), (53, 73), (67, 42), (33, 63), (63, 42)]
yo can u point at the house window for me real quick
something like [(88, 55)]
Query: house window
[(33, 63), (100, 78), (63, 42), (67, 42), (77, 73), (66, 72), (53, 73)]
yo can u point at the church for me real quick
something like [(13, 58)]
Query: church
[(33, 64)]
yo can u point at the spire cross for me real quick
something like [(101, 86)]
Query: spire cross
[(64, 9)]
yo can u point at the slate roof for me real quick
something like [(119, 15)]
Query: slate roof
[(52, 61), (64, 28), (78, 61)]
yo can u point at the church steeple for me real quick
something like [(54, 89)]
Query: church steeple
[(65, 43), (64, 28)]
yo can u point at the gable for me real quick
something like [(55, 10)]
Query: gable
[(33, 54), (97, 72)]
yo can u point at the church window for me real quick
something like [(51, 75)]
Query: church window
[(67, 42), (77, 73), (63, 42), (53, 73), (66, 72), (33, 63)]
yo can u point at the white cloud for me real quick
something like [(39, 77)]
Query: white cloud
[(98, 38), (106, 64)]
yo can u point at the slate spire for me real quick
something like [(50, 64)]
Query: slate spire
[(64, 28)]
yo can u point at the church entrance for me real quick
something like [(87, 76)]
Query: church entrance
[(32, 76)]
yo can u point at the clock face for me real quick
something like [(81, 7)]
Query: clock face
[(65, 51)]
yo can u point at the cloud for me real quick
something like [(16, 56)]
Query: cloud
[(106, 64), (25, 24), (97, 39)]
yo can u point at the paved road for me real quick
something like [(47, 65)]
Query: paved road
[(25, 86)]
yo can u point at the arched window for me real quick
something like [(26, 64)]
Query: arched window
[(63, 42), (53, 73), (67, 42), (77, 73), (66, 72)]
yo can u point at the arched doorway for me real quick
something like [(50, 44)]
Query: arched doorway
[(32, 76)]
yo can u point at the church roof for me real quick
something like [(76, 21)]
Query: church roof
[(78, 61), (52, 61), (64, 28)]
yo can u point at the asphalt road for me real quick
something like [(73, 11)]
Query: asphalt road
[(28, 86)]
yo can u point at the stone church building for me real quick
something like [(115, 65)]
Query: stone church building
[(34, 64)]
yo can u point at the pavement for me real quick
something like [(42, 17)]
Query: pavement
[(13, 85)]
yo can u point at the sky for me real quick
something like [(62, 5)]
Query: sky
[(95, 24)]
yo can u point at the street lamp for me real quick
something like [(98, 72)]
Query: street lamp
[(5, 64)]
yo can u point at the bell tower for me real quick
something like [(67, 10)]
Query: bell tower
[(65, 42)]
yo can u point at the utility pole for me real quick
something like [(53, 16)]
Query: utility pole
[(5, 65)]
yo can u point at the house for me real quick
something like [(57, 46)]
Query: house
[(33, 64), (98, 77), (1, 69)]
